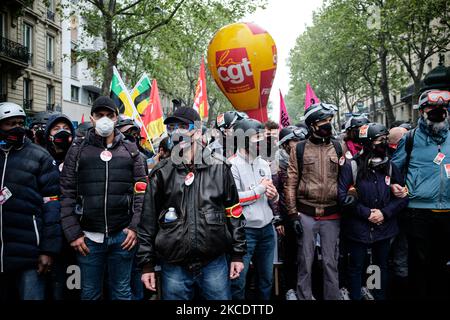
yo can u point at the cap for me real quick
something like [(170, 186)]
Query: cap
[(104, 102), (183, 114)]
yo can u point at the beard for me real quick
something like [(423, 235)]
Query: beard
[(437, 127)]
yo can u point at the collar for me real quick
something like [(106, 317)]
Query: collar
[(96, 140), (246, 158), (317, 140)]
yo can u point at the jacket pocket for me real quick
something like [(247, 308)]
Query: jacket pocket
[(309, 165), (36, 231), (333, 167), (216, 237)]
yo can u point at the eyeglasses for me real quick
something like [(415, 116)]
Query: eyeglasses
[(434, 97), (182, 126)]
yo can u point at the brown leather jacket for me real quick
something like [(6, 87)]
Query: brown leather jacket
[(319, 179)]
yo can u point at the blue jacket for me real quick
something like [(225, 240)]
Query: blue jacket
[(428, 185), (30, 219), (373, 193)]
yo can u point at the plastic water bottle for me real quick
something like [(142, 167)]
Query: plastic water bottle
[(170, 215)]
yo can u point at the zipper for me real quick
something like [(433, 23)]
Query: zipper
[(36, 230), (440, 180), (106, 195), (1, 213)]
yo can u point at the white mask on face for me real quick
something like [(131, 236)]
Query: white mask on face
[(104, 127)]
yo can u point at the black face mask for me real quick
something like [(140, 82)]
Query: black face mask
[(130, 137), (324, 130), (14, 137), (437, 115), (62, 139), (380, 150)]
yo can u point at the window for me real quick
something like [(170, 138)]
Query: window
[(430, 66), (27, 94), (74, 94), (3, 86), (50, 98), (395, 98), (28, 39), (91, 97), (2, 25), (50, 48), (51, 10), (74, 29), (73, 64)]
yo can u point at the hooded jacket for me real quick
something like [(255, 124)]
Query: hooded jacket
[(50, 123)]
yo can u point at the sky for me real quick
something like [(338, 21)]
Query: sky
[(285, 20)]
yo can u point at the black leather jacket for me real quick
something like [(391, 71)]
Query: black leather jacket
[(210, 221)]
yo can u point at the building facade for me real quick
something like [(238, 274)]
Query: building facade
[(30, 54)]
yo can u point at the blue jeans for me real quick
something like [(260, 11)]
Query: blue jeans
[(212, 280), (260, 250), (358, 252), (119, 263), (24, 285)]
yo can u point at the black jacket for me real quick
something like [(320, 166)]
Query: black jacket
[(30, 219), (210, 221), (373, 193), (109, 194)]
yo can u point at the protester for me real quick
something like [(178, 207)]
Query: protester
[(311, 190), (351, 135), (29, 210), (423, 154), (370, 219), (288, 139), (105, 176), (192, 219), (224, 143), (254, 183), (395, 135)]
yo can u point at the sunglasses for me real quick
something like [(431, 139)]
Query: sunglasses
[(182, 126)]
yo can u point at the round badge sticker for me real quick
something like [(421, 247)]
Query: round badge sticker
[(387, 180), (189, 179), (61, 167), (342, 161), (106, 156)]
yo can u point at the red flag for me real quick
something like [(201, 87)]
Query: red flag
[(82, 118), (310, 97), (201, 99), (284, 116), (152, 119)]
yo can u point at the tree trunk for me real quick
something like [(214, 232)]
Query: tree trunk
[(384, 86), (112, 52)]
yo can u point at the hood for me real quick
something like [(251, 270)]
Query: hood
[(55, 118)]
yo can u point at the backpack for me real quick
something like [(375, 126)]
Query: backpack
[(300, 150)]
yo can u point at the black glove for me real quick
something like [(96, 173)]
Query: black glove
[(349, 201), (297, 227)]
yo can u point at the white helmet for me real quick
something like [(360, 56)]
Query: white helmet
[(9, 110)]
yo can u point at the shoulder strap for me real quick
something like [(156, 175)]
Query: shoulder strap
[(131, 148), (300, 150), (409, 144), (354, 170), (338, 147)]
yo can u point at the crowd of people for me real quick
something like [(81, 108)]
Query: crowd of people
[(366, 210)]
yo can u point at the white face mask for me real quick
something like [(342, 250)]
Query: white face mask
[(104, 127)]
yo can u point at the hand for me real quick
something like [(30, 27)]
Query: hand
[(44, 264), (376, 216), (130, 241), (271, 192), (266, 182), (149, 280), (399, 191), (280, 230), (80, 246), (235, 269), (297, 226)]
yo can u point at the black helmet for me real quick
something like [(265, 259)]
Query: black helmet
[(41, 118), (292, 133), (356, 122), (83, 128), (371, 131), (228, 119), (318, 112), (249, 124), (124, 124)]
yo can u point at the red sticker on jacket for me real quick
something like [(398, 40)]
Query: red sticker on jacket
[(139, 187)]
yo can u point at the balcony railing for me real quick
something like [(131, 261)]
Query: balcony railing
[(50, 65), (27, 104), (50, 15), (14, 50), (50, 107)]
